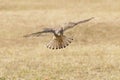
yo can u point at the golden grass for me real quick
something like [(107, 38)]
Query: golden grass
[(93, 55)]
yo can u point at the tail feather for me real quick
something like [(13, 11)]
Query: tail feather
[(59, 43)]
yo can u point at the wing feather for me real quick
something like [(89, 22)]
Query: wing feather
[(73, 24), (37, 34)]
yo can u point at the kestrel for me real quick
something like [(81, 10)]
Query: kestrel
[(59, 40)]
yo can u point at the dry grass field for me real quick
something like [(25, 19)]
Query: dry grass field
[(93, 55)]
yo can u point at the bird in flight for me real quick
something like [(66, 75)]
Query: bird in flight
[(59, 40)]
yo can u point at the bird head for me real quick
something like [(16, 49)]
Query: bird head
[(58, 32)]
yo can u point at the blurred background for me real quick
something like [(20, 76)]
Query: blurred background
[(93, 55)]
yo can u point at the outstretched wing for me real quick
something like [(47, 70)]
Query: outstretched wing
[(37, 34), (73, 24)]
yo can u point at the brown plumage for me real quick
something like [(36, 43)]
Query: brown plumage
[(59, 40)]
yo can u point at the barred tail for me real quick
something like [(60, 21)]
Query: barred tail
[(59, 42)]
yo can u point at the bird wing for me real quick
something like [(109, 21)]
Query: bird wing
[(37, 34), (73, 24)]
